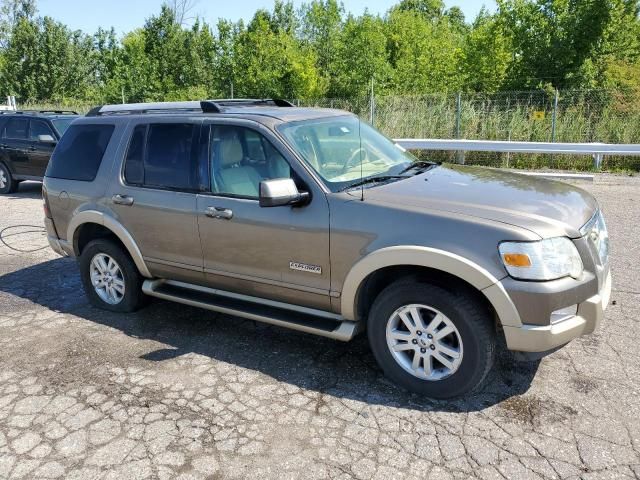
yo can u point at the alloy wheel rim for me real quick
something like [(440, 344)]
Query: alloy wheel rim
[(424, 342), (3, 178), (107, 278)]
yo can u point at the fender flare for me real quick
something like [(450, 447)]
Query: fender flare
[(94, 216), (436, 259)]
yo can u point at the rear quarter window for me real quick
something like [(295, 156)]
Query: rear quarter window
[(79, 153)]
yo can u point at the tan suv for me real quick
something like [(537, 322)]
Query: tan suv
[(312, 220)]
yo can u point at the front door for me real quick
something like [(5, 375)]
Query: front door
[(15, 143), (279, 253), (155, 197), (39, 152)]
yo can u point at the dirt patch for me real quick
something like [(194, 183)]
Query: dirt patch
[(535, 411), (583, 384)]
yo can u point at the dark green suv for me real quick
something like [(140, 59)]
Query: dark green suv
[(27, 140)]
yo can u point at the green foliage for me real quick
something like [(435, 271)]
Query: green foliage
[(417, 47)]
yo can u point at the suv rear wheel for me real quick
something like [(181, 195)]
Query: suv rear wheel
[(7, 183), (431, 341), (109, 277)]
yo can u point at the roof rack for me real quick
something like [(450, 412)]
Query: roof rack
[(38, 112), (202, 106)]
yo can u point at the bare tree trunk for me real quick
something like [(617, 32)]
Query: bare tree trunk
[(182, 10)]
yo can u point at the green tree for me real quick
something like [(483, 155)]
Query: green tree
[(321, 26), (423, 53), (486, 55), (271, 62), (361, 57), (11, 11), (553, 40)]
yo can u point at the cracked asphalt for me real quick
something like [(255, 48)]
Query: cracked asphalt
[(177, 392)]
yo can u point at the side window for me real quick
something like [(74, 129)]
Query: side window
[(133, 165), (79, 153), (166, 159), (38, 127), (16, 128), (240, 159)]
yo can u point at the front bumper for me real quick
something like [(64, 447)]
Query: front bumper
[(542, 338)]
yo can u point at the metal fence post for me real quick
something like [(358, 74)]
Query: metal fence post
[(372, 105), (459, 154), (554, 117), (597, 161), (458, 113)]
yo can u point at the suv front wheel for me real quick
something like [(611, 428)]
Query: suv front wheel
[(431, 341), (110, 278), (7, 183)]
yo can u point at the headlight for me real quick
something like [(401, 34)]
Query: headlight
[(596, 232), (543, 260)]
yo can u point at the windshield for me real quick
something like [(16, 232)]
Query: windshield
[(62, 124), (345, 150)]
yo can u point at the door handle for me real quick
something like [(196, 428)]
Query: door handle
[(32, 148), (219, 212), (122, 200)]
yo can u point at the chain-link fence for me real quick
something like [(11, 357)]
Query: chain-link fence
[(534, 116)]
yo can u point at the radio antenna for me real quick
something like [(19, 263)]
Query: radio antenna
[(360, 153)]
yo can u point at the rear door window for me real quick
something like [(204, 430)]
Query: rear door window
[(79, 152), (16, 128), (163, 155)]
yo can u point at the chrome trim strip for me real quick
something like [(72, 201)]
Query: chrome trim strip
[(266, 281), (169, 263)]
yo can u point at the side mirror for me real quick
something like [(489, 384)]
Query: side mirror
[(46, 139), (279, 192)]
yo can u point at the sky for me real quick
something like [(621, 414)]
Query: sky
[(126, 15)]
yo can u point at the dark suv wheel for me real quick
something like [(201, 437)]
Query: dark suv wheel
[(431, 341), (110, 278), (7, 183)]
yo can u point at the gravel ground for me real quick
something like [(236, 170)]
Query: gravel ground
[(176, 392)]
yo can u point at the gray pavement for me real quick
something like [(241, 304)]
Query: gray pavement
[(177, 392)]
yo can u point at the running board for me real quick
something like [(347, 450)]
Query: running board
[(303, 319)]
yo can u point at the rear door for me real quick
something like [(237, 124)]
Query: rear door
[(154, 196), (15, 143), (39, 152)]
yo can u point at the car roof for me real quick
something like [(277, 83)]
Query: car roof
[(266, 111)]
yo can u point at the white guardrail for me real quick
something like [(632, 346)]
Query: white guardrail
[(597, 150)]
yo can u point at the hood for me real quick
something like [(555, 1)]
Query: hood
[(545, 207)]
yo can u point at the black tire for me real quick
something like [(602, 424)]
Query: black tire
[(133, 297), (469, 316), (10, 183)]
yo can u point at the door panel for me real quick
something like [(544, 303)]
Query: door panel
[(258, 244), (251, 249), (14, 142)]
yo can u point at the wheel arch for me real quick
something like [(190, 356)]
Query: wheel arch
[(441, 266), (94, 217)]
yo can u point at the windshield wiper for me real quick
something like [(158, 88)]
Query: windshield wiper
[(420, 164), (374, 179)]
